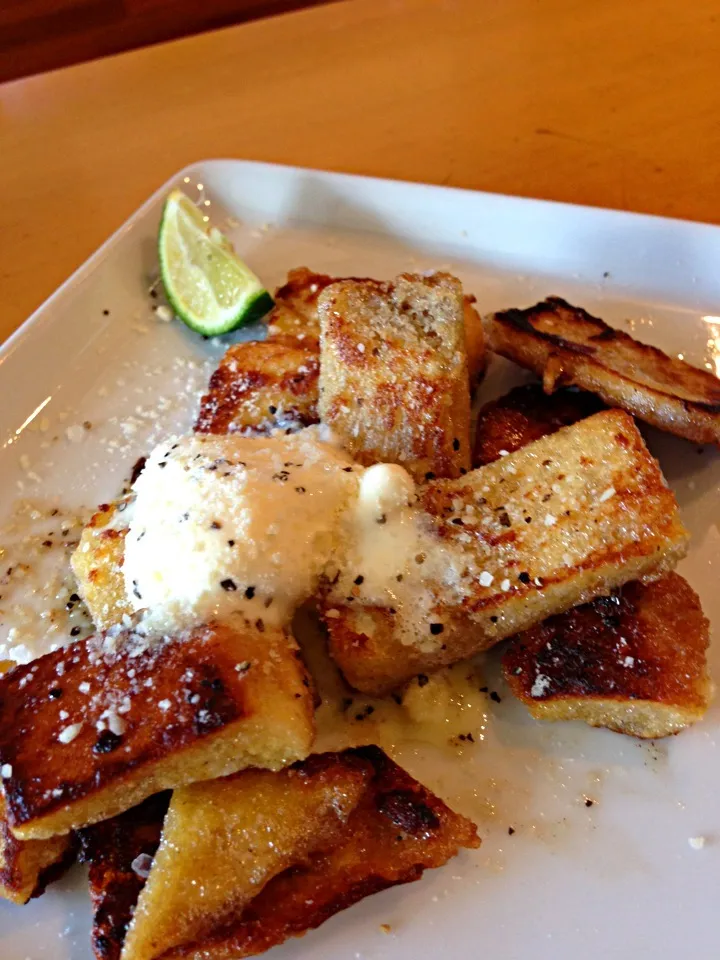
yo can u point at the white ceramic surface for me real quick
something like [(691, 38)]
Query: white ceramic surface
[(618, 879)]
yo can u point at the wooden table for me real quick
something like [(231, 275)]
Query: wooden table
[(614, 104)]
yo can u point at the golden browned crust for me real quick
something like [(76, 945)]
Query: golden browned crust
[(259, 387), (97, 565), (110, 849), (525, 414), (393, 376), (474, 342), (226, 697), (646, 689), (386, 829), (634, 661), (28, 866), (293, 320), (557, 523), (567, 346)]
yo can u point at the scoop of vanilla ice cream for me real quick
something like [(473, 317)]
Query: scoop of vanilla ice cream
[(228, 523)]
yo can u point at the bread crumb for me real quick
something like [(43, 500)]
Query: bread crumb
[(697, 843)]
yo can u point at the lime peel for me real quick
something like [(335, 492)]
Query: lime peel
[(206, 283)]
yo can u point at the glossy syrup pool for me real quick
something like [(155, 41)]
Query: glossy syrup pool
[(584, 831)]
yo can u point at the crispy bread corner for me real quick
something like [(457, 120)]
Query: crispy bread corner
[(28, 866), (634, 662), (115, 720)]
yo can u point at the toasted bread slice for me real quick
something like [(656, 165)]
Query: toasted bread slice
[(262, 386), (567, 346), (119, 853), (393, 374), (525, 414), (634, 662), (116, 719), (28, 866), (294, 320), (259, 387), (225, 839), (624, 661), (559, 522), (97, 564), (324, 834)]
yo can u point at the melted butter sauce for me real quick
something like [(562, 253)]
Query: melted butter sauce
[(446, 710), (39, 609)]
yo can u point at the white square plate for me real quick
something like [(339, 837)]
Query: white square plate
[(618, 879)]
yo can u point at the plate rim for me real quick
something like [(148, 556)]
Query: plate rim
[(13, 341)]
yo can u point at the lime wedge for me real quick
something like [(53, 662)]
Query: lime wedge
[(207, 285)]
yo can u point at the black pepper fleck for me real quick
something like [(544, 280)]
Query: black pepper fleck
[(359, 579), (228, 584), (249, 593), (436, 628), (107, 742)]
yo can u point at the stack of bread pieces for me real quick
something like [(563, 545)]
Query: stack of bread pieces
[(184, 770)]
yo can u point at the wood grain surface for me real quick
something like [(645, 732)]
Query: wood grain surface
[(612, 104)]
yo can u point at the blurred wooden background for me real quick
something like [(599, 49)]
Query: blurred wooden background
[(38, 35)]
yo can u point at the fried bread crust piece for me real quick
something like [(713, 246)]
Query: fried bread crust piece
[(525, 414), (567, 346), (97, 565), (624, 661), (393, 372), (110, 849), (388, 829), (93, 729), (557, 523), (634, 662), (263, 385), (224, 839), (28, 866)]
